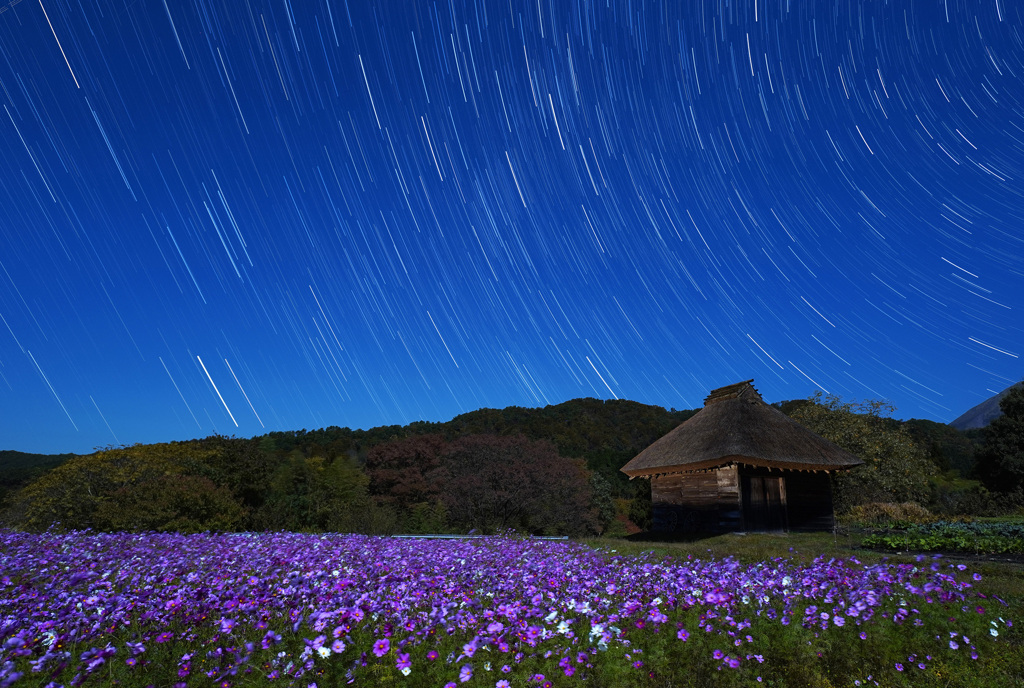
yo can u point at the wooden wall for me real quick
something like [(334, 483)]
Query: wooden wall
[(713, 501), (697, 502)]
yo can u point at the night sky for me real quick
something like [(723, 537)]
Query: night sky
[(237, 217)]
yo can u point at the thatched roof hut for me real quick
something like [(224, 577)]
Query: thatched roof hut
[(740, 464)]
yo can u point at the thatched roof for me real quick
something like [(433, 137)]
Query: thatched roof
[(737, 426)]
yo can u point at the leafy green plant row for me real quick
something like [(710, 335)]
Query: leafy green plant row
[(918, 542), (959, 528), (973, 529)]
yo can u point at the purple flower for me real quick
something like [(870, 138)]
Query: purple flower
[(432, 655), (953, 645), (899, 667), (717, 654), (381, 647), (465, 673), (501, 684), (683, 634), (733, 662), (403, 661), (838, 620)]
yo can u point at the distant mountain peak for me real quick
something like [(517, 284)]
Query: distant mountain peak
[(984, 413)]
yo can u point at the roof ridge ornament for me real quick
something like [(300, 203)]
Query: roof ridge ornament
[(737, 390)]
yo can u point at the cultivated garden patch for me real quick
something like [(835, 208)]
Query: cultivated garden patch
[(947, 536), (327, 610)]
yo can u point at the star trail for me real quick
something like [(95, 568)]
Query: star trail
[(249, 216)]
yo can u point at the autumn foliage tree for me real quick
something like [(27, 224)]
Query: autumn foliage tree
[(483, 482), (895, 468)]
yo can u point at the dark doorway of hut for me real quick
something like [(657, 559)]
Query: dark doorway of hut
[(764, 503)]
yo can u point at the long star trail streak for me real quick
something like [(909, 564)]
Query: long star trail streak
[(104, 418), (219, 396), (63, 54), (243, 394), (833, 184), (55, 396), (178, 390)]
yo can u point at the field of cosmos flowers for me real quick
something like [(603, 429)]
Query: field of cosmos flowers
[(150, 609)]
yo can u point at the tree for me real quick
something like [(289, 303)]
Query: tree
[(895, 469), (494, 483), (405, 471), (1000, 461), (71, 493), (170, 503), (640, 506), (602, 500)]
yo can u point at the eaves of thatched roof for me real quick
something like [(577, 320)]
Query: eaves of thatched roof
[(736, 426)]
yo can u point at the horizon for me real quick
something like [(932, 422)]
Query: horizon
[(264, 217)]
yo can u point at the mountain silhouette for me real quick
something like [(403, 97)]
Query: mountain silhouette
[(984, 413)]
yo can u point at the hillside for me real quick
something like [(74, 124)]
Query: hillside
[(984, 413), (18, 469)]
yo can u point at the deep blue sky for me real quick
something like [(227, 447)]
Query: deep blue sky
[(247, 216)]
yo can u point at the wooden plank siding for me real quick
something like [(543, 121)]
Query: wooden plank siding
[(737, 498), (696, 502)]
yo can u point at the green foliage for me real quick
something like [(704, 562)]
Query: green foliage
[(170, 503), (18, 469), (895, 469), (606, 434), (601, 501), (944, 536), (1000, 461), (314, 494), (72, 493), (947, 447), (640, 509)]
